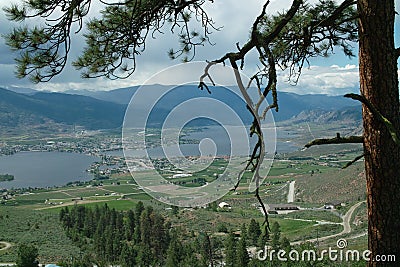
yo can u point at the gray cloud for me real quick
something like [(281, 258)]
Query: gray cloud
[(7, 56), (236, 19)]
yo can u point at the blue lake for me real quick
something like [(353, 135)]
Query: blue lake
[(221, 140), (42, 169)]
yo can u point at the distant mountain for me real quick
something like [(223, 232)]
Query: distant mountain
[(22, 90), (347, 114), (119, 96), (290, 104), (84, 111), (106, 109)]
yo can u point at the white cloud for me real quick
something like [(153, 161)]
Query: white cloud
[(331, 80)]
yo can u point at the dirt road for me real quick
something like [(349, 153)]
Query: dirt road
[(346, 227), (5, 245)]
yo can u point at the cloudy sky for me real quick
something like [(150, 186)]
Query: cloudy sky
[(336, 75)]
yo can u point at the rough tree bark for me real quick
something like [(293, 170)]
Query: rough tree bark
[(379, 85)]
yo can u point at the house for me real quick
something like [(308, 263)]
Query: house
[(6, 196), (281, 208), (181, 175), (332, 205), (224, 205)]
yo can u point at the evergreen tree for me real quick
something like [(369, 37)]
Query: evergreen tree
[(242, 256), (175, 210), (159, 238), (145, 227), (129, 225), (285, 244), (109, 243), (253, 232), (230, 250), (27, 256), (212, 206), (243, 231), (112, 237), (128, 256), (205, 248), (191, 258), (139, 208), (264, 237), (175, 253), (144, 256), (221, 227), (276, 235), (63, 213), (88, 224)]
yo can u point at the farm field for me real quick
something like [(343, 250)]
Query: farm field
[(33, 215)]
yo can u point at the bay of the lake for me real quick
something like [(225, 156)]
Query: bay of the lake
[(42, 169), (222, 142)]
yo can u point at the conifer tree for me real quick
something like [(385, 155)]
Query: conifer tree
[(27, 256), (264, 237), (242, 256), (175, 253), (230, 250), (275, 236), (253, 232), (128, 256)]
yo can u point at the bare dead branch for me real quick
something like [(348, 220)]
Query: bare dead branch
[(348, 164), (262, 43), (337, 140), (256, 39), (206, 74), (257, 194)]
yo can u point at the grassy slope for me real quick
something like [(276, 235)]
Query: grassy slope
[(346, 185), (21, 224)]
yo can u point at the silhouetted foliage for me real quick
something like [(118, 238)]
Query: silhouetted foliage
[(27, 256)]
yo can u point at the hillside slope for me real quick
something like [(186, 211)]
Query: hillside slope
[(336, 185), (17, 110)]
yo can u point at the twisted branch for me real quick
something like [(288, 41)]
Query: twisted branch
[(266, 57), (337, 140), (348, 164)]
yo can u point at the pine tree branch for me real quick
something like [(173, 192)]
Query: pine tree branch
[(379, 115), (348, 164), (335, 15), (337, 140)]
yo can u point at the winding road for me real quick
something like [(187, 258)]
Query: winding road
[(346, 227), (5, 245)]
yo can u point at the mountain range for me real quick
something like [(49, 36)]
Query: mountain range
[(106, 109), (20, 109)]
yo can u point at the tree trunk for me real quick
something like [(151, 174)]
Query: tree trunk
[(379, 84)]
